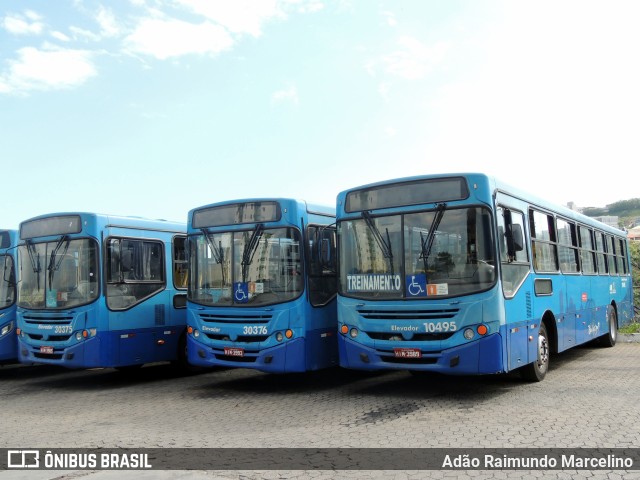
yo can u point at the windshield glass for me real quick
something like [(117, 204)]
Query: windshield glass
[(255, 267), (7, 282), (59, 274), (444, 252)]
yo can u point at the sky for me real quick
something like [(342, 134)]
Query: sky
[(154, 107)]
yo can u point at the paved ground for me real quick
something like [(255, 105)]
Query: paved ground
[(590, 398)]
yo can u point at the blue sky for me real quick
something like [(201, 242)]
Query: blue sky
[(154, 107)]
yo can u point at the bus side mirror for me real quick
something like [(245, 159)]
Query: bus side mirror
[(515, 241)]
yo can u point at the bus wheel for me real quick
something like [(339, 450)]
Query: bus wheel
[(609, 340), (181, 363), (536, 371)]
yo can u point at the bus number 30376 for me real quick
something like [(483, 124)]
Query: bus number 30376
[(254, 330)]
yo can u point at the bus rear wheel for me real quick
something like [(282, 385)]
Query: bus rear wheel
[(609, 340), (536, 371)]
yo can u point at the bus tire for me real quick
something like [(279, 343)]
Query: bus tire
[(181, 362), (536, 371), (610, 338)]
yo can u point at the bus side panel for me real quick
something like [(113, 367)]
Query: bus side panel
[(9, 341)]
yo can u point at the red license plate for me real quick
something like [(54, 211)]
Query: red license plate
[(407, 353), (234, 352), (46, 349)]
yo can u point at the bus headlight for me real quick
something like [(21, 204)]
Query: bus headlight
[(279, 336), (78, 336), (196, 333), (468, 333), (353, 333), (6, 329)]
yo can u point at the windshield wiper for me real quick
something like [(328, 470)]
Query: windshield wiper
[(427, 243), (250, 248), (34, 256), (218, 252), (53, 265), (385, 245)]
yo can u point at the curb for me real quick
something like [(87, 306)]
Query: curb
[(629, 337)]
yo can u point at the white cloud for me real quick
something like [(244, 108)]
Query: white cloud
[(28, 24), (107, 22), (414, 60), (83, 34), (60, 36), (238, 16), (49, 69), (166, 38), (290, 94)]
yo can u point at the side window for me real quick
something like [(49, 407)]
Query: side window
[(180, 262), (567, 246), (611, 255), (135, 271), (600, 253), (543, 242), (322, 269), (513, 252), (621, 256), (587, 252)]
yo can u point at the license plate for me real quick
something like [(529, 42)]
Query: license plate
[(234, 352), (46, 349), (407, 353)]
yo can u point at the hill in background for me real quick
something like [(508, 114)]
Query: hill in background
[(627, 211)]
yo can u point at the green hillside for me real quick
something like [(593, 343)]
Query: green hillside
[(628, 211)]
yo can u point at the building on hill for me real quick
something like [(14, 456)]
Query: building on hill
[(633, 234), (611, 220)]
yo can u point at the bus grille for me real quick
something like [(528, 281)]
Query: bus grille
[(242, 338), (245, 318), (49, 319), (431, 314), (417, 337)]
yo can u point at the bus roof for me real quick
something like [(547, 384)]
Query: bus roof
[(496, 185)]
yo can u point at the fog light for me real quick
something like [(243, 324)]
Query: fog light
[(344, 329), (85, 333), (288, 333), (468, 334), (189, 329), (482, 330), (353, 333), (92, 332), (279, 336)]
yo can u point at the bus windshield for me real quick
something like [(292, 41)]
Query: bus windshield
[(443, 252), (57, 274), (257, 267)]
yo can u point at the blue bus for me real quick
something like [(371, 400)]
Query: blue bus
[(8, 342), (462, 274), (262, 285), (101, 291)]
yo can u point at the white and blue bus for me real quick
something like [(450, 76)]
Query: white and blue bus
[(262, 285), (462, 274), (101, 291), (8, 342)]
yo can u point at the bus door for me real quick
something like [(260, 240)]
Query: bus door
[(517, 286)]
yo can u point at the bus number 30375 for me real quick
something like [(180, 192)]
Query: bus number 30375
[(254, 330)]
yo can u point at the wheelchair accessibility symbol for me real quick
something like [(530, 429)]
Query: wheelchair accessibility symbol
[(416, 285), (241, 292)]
